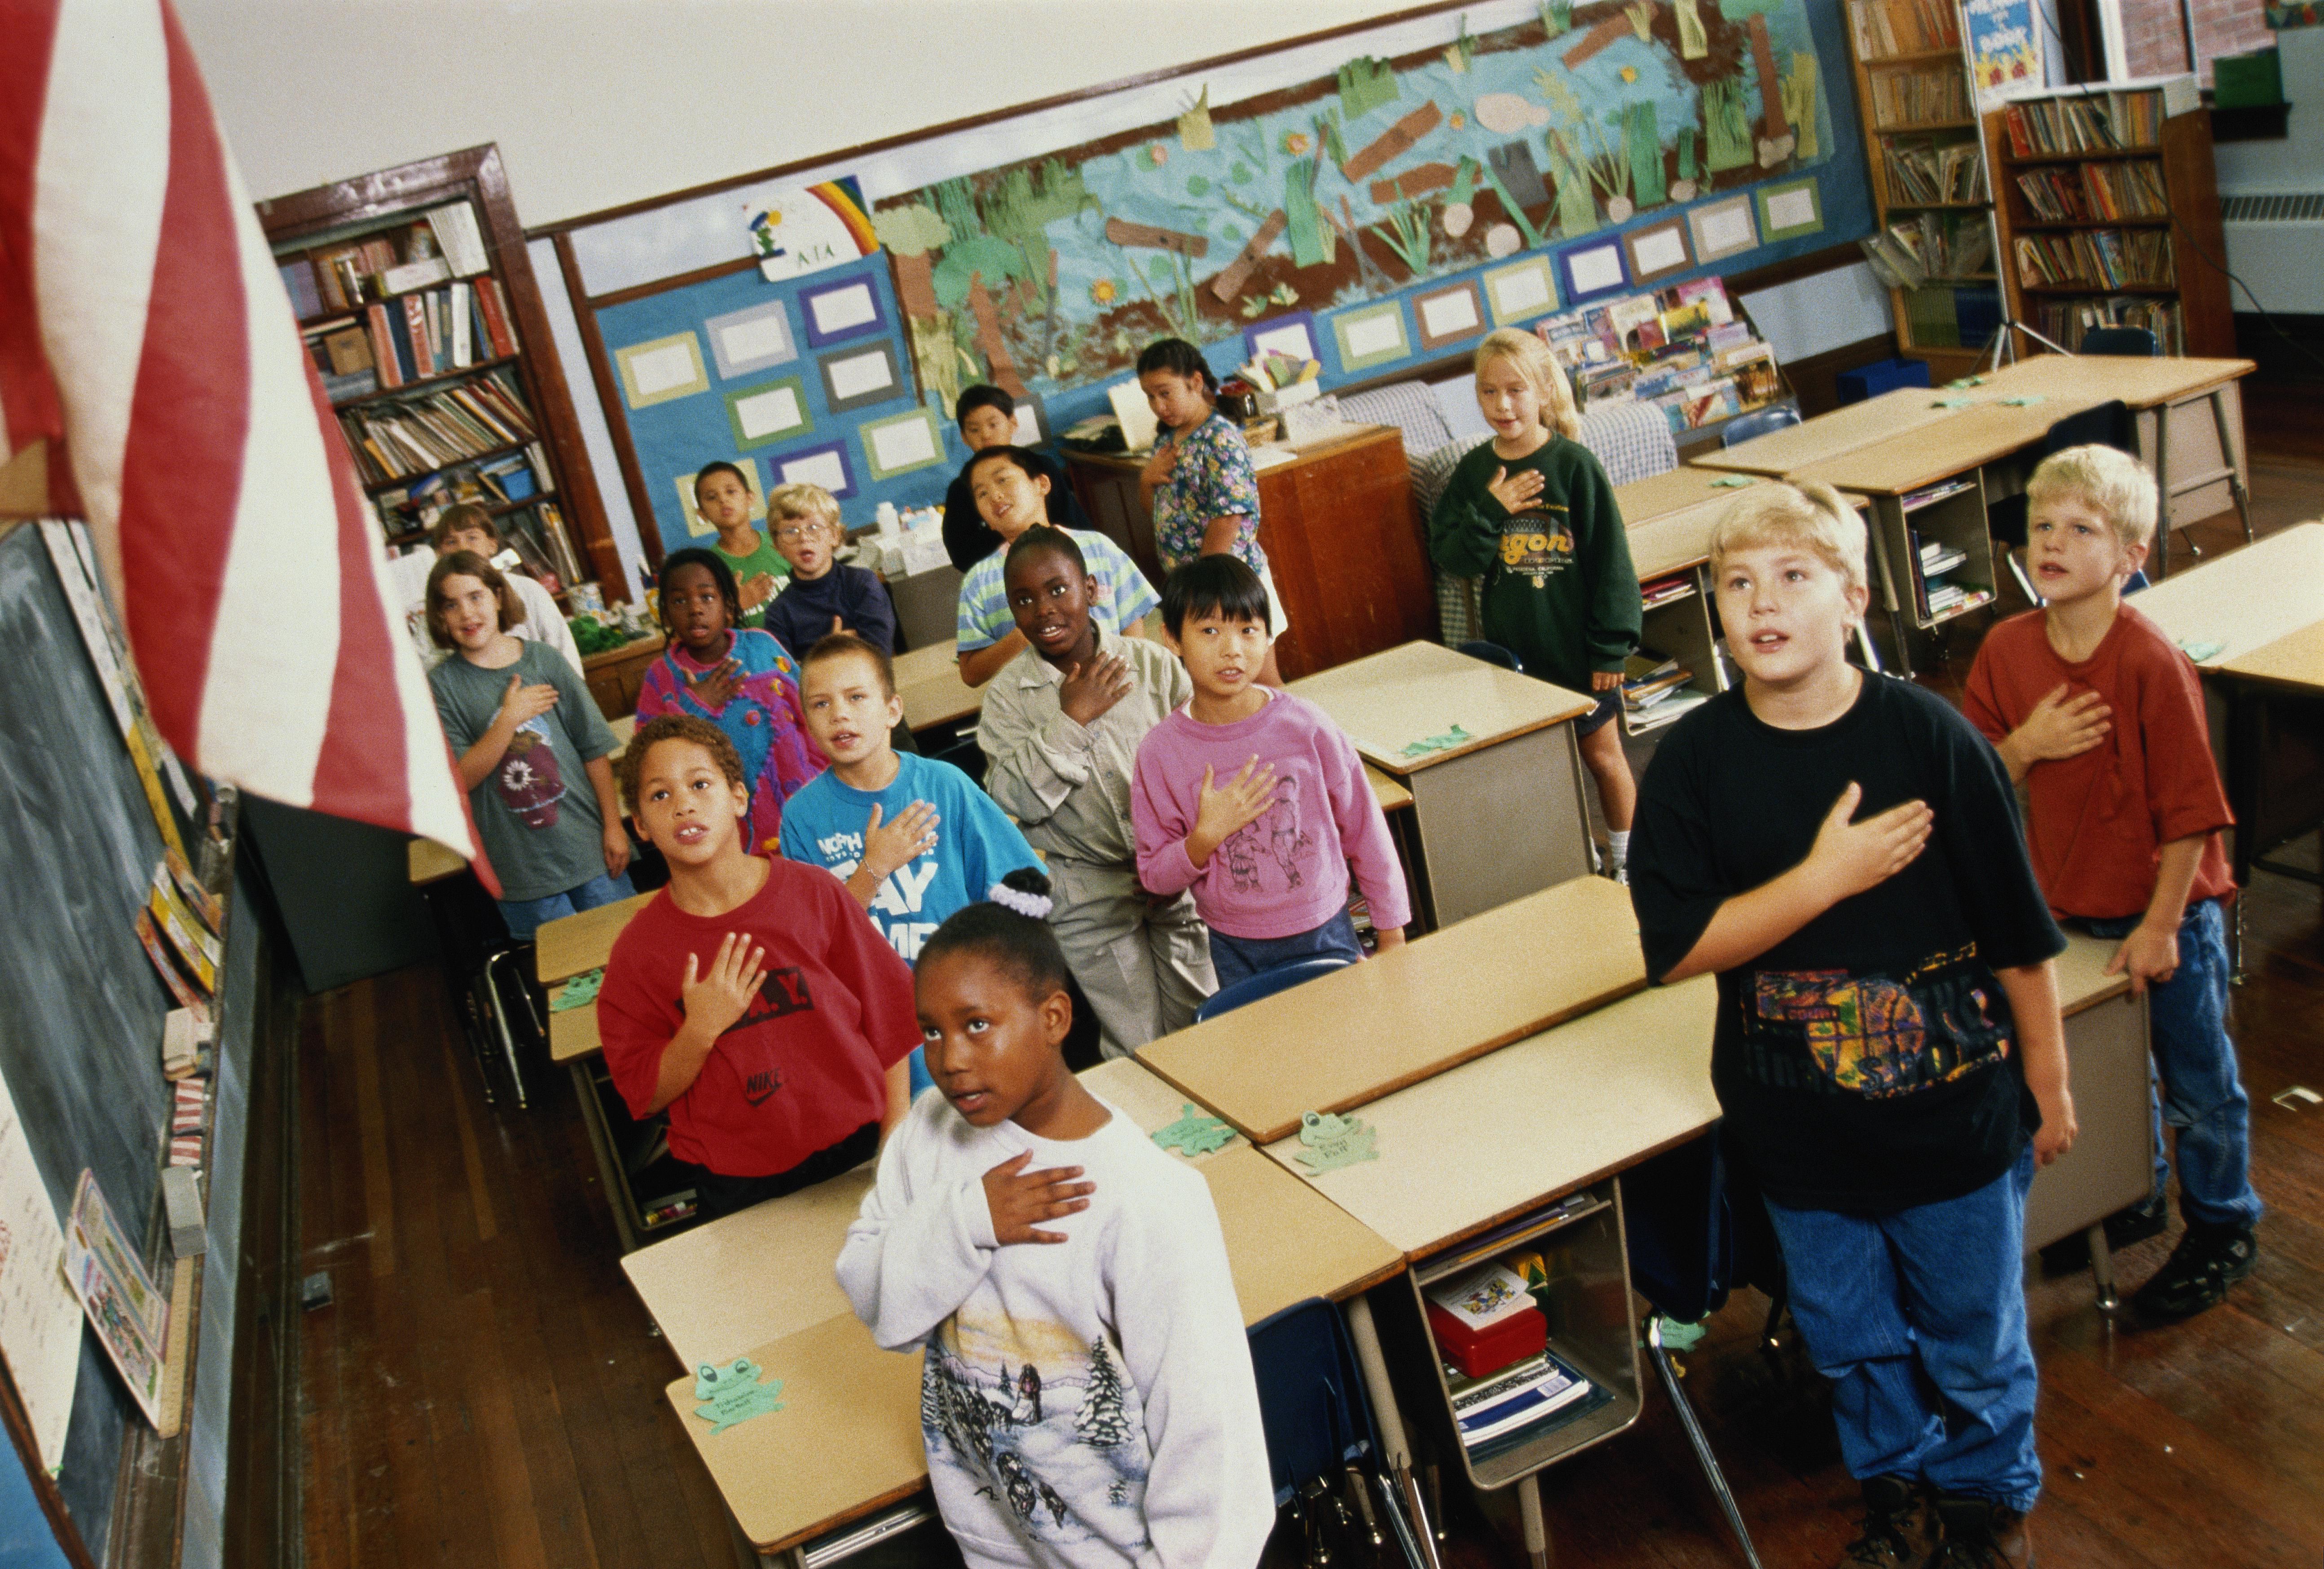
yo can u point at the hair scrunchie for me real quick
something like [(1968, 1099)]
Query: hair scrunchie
[(1036, 906)]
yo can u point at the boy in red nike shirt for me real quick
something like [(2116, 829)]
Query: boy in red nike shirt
[(753, 1001)]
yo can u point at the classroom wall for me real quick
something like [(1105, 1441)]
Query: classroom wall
[(597, 102), (2296, 163)]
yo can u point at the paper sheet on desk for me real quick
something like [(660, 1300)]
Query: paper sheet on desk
[(39, 1316)]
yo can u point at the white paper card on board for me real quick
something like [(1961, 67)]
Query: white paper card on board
[(39, 1316), (1450, 315), (1292, 338), (1723, 229), (844, 307), (1791, 208), (904, 444), (1516, 293), (865, 373), (1596, 270), (768, 413), (658, 370), (764, 337), (1661, 250), (823, 468), (1372, 335), (1028, 426)]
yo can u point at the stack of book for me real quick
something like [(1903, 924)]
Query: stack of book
[(1664, 590), (2095, 191), (1935, 592), (1656, 690), (2069, 321), (1520, 1403), (1932, 172), (1885, 28), (1903, 99), (2098, 258), (1685, 350)]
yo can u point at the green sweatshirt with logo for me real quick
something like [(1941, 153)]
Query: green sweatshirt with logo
[(1559, 590)]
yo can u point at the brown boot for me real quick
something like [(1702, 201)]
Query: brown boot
[(1981, 1533), (1899, 1529)]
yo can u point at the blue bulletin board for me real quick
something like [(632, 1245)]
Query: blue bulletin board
[(1386, 213)]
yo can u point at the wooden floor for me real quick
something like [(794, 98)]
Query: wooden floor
[(485, 1389)]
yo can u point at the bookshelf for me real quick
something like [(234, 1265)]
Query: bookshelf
[(1678, 667), (1934, 243), (419, 307), (2108, 201)]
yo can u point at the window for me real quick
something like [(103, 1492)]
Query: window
[(2148, 38)]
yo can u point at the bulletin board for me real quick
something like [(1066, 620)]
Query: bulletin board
[(1393, 209)]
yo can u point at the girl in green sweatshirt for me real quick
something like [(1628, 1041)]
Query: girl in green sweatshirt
[(1532, 514)]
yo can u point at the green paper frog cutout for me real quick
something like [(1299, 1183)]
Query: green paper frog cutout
[(1193, 1134), (733, 1394), (1334, 1141), (1452, 738), (578, 992)]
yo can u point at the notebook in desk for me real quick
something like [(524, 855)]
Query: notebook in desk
[(1360, 1033)]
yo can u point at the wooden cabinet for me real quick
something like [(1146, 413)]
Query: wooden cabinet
[(1346, 544), (615, 675)]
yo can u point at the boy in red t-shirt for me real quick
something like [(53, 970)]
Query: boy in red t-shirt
[(752, 1000), (2101, 717)]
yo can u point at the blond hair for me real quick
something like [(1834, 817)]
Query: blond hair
[(803, 501), (1541, 371), (2116, 486), (1806, 513)]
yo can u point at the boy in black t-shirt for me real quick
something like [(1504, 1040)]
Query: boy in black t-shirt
[(1842, 849)]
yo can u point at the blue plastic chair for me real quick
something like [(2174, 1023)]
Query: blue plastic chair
[(1319, 1424), (1492, 655), (2130, 342), (1765, 421), (2108, 425), (1267, 983)]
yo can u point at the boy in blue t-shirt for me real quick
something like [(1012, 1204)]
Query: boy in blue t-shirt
[(873, 821)]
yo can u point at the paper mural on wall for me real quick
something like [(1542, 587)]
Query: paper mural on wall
[(1055, 272), (2004, 42), (813, 227)]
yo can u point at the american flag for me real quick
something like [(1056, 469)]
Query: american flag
[(144, 331)]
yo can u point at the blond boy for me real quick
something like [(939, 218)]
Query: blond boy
[(823, 595)]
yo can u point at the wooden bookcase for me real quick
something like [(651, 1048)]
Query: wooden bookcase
[(1913, 95), (390, 206), (2186, 301)]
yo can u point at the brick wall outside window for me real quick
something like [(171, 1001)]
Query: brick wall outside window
[(2155, 44)]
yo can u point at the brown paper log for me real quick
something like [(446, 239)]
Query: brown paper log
[(1229, 283), (1771, 86), (1596, 38), (916, 285), (1394, 141), (1124, 233), (1418, 180), (989, 341)]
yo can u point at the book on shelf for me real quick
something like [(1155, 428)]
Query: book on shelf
[(1664, 590), (299, 284), (1521, 1403), (1932, 172), (560, 542), (492, 306), (2092, 191), (1941, 245), (1885, 28), (1938, 557), (1915, 500), (435, 429), (2098, 258), (457, 239), (1901, 99), (2068, 321), (1648, 677)]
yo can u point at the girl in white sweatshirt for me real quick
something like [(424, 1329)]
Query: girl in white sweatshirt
[(1087, 1397)]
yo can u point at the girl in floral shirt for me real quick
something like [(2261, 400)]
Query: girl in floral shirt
[(1200, 486)]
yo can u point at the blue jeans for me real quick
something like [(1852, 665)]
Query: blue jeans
[(2202, 1098), (526, 916), (1918, 1318), (1237, 958)]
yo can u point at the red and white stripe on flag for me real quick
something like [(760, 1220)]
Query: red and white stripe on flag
[(142, 322)]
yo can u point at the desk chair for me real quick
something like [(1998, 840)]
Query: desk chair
[(483, 963), (1691, 1242), (2122, 342), (2108, 425), (1267, 983), (1321, 1435), (1492, 655), (964, 755), (1765, 421)]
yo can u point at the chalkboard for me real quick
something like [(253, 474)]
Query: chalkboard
[(81, 1007)]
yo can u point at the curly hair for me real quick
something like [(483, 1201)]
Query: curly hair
[(675, 728)]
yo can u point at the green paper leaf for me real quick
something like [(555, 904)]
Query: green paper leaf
[(1952, 402), (1334, 1142), (1966, 382), (1456, 737), (1198, 184), (2024, 399), (2200, 651), (1732, 482), (1193, 1134)]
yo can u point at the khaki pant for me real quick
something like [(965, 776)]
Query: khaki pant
[(1144, 967)]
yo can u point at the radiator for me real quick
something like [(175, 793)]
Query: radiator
[(2272, 245)]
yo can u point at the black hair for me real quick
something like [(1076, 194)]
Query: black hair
[(720, 573), (1027, 462), (1045, 538), (628, 768), (1220, 585), (1180, 359), (719, 466), (982, 396), (839, 645), (1021, 944)]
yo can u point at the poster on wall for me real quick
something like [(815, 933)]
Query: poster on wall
[(2005, 43), (806, 230), (1052, 273)]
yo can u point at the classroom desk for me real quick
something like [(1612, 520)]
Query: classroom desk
[(1827, 436), (2112, 1163), (572, 944), (1475, 851), (1362, 1032), (2263, 606), (928, 681), (427, 862), (1678, 490), (848, 1442)]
